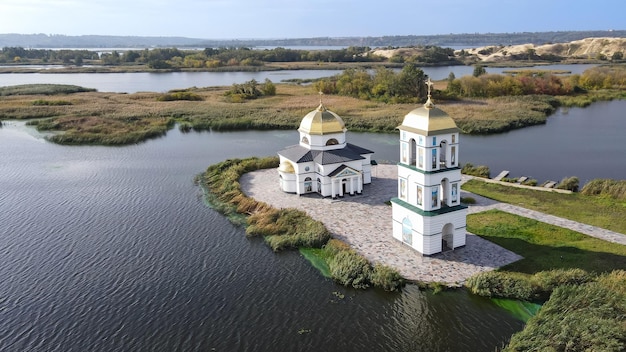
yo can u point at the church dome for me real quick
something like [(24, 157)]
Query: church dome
[(286, 167), (322, 121), (428, 120)]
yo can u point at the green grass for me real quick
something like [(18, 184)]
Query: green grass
[(544, 246), (601, 211)]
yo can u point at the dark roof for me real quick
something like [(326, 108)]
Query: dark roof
[(358, 149), (301, 154)]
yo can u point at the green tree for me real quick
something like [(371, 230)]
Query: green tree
[(618, 55), (479, 70), (412, 82)]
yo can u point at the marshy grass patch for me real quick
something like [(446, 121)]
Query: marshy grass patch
[(290, 228)]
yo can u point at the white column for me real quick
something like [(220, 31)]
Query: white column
[(332, 188)]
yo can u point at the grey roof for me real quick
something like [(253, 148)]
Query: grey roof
[(301, 154)]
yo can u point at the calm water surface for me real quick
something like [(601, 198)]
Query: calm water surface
[(162, 82), (113, 249)]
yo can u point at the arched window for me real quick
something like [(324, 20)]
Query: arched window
[(305, 140), (332, 141), (407, 231), (307, 179)]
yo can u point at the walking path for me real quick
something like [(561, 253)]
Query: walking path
[(484, 204), (364, 222)]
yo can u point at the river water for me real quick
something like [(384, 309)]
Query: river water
[(162, 82), (113, 249)]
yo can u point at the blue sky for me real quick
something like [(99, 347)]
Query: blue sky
[(222, 19)]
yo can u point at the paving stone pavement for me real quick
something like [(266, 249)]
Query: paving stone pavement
[(364, 222)]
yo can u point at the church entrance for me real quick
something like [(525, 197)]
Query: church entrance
[(447, 237)]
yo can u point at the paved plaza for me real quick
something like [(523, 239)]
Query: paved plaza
[(364, 222)]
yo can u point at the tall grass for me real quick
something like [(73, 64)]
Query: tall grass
[(588, 317), (606, 187), (290, 228), (208, 109), (42, 89)]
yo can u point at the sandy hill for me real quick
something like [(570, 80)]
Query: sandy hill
[(588, 48)]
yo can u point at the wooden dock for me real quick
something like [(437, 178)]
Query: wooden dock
[(550, 184), (501, 175)]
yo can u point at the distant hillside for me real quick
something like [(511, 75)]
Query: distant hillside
[(91, 41), (588, 48), (470, 40)]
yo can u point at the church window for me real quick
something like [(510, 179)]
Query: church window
[(434, 152), (306, 168), (419, 195), (332, 141), (434, 140), (305, 140), (435, 198), (421, 159), (453, 155), (407, 231), (455, 190), (402, 188), (453, 138)]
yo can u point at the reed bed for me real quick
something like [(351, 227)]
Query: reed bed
[(290, 228), (209, 109)]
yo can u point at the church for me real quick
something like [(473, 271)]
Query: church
[(427, 213), (323, 162)]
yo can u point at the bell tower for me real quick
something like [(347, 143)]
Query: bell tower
[(427, 213)]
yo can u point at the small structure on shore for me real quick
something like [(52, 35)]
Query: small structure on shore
[(427, 213), (323, 161)]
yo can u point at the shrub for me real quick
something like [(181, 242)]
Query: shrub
[(569, 183), (606, 187), (350, 269), (468, 200), (501, 285), (546, 281), (480, 171), (386, 278), (179, 95)]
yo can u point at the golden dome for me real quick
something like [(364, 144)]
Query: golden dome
[(428, 120), (322, 121), (286, 167)]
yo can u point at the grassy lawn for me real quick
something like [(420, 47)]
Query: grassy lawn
[(544, 246), (600, 211)]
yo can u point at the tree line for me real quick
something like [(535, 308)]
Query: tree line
[(177, 58)]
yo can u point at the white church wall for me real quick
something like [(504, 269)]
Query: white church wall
[(288, 182)]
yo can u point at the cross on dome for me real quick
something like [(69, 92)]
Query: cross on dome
[(429, 104)]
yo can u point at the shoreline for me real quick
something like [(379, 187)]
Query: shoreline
[(364, 222)]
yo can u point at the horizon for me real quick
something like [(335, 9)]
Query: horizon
[(316, 37), (273, 19)]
